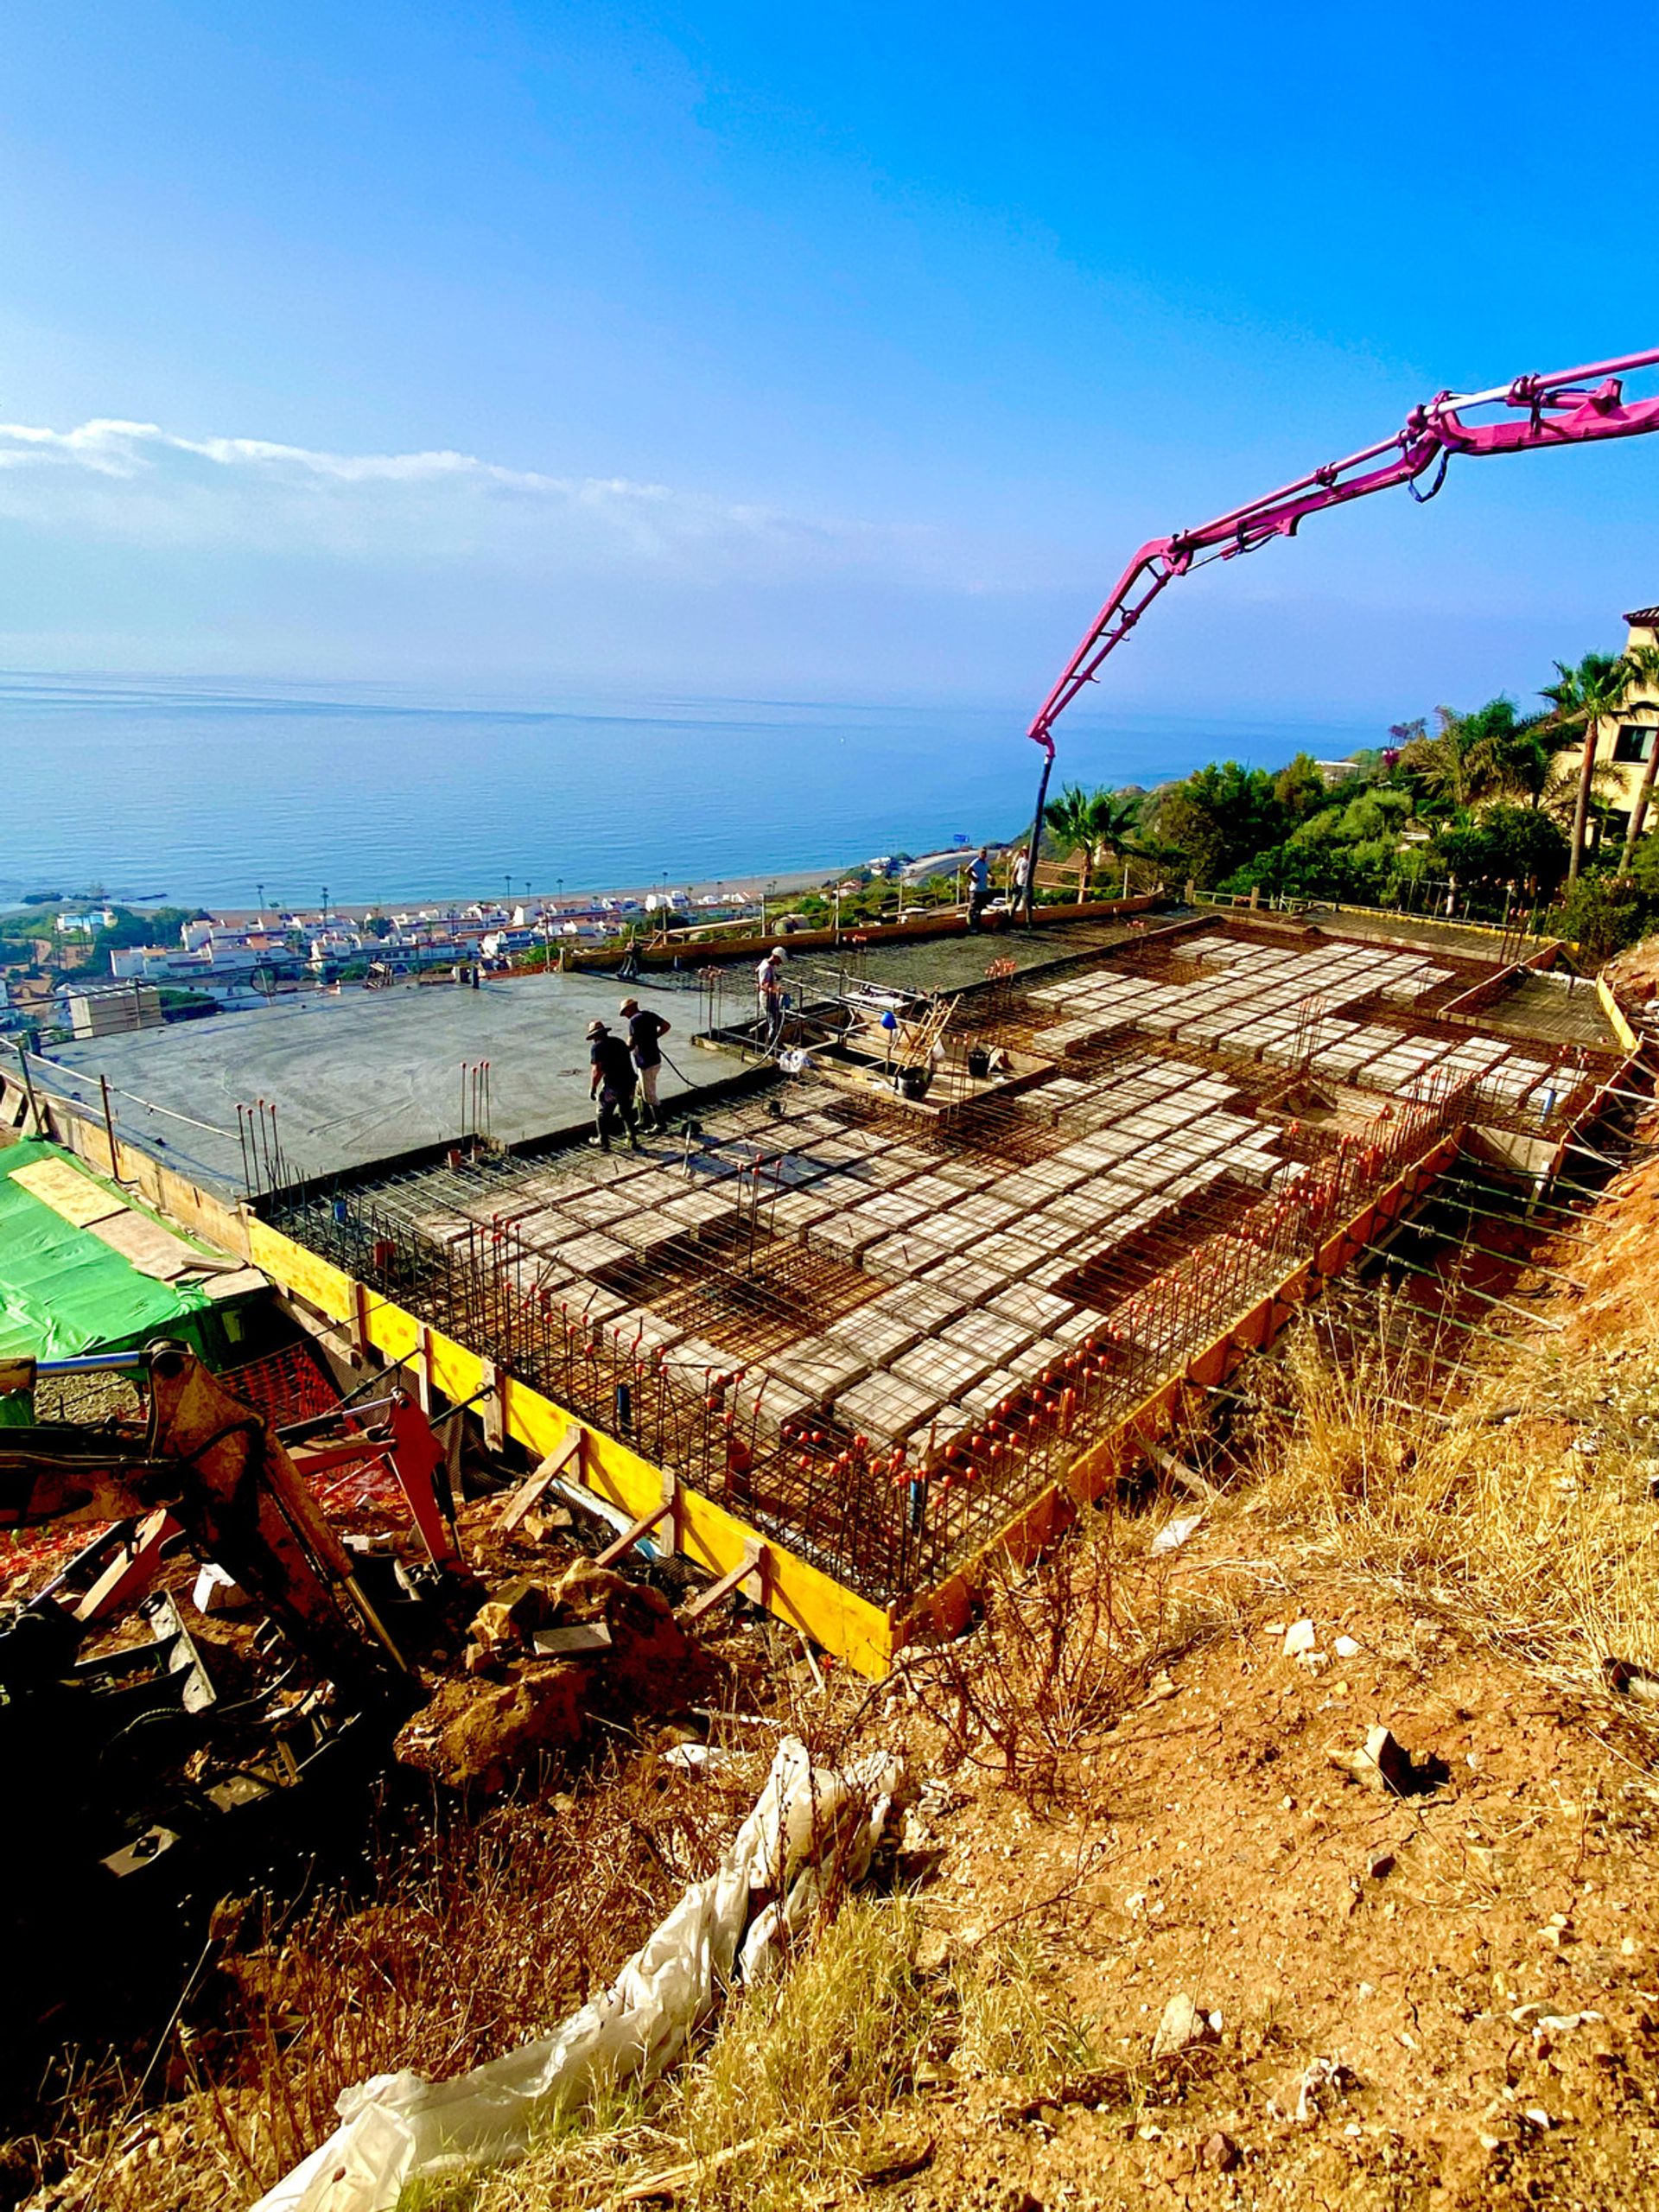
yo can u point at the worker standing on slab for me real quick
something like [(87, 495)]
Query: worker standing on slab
[(645, 1029), (979, 887), (769, 988), (612, 1088)]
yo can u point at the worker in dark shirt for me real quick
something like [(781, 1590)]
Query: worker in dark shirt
[(612, 1088), (644, 1028)]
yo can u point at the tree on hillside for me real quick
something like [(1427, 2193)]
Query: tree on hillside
[(1505, 845), (1580, 700), (1219, 818), (1300, 788), (1643, 663), (1475, 756)]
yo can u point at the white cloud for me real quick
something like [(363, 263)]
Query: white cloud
[(139, 483)]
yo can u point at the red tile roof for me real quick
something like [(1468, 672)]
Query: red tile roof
[(1645, 618)]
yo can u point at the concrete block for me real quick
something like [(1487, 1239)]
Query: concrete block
[(987, 1213), (1084, 1322), (598, 1207), (697, 1361), (897, 1208), (795, 1211), (887, 1405), (928, 1305), (1040, 1311), (896, 1256), (697, 1207), (779, 1401), (582, 1301), (845, 1234), (991, 1334), (821, 1365), (946, 1369), (586, 1255), (876, 1332), (1036, 1233), (644, 1332), (971, 1281)]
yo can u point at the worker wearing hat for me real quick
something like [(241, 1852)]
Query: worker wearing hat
[(644, 1028), (612, 1088), (769, 988)]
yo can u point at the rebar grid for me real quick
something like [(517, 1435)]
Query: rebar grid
[(888, 1520), (688, 1313)]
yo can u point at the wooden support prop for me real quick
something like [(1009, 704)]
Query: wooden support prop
[(493, 1410), (752, 1566), (1189, 1480), (625, 1543), (423, 1370), (566, 1457)]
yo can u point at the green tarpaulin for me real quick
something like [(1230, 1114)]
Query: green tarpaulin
[(63, 1292)]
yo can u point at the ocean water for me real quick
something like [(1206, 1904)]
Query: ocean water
[(199, 792)]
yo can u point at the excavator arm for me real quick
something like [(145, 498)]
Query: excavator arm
[(1581, 406)]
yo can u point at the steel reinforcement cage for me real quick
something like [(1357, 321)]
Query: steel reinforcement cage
[(888, 1521)]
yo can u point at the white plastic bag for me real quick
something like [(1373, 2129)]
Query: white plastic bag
[(397, 2126)]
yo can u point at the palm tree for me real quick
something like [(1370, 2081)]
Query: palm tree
[(1643, 663), (1455, 765), (1097, 823), (1581, 700)]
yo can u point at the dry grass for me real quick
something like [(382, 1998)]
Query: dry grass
[(1521, 1508), (784, 2107), (1009, 2021), (772, 2111), (476, 1937)]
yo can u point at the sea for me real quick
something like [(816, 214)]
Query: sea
[(233, 794)]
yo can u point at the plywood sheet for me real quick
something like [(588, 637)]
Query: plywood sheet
[(147, 1245), (70, 1194)]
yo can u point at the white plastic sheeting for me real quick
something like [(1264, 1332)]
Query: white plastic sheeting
[(397, 2128)]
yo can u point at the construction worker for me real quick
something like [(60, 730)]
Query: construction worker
[(769, 988), (612, 1088), (979, 887), (644, 1028)]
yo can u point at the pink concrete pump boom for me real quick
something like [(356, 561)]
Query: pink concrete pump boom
[(1572, 407)]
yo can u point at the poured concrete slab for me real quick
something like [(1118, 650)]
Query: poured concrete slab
[(368, 1074)]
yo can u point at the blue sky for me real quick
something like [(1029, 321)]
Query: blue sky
[(840, 353)]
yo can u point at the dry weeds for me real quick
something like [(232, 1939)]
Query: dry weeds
[(475, 1938), (1059, 1651), (1521, 1511), (771, 2112)]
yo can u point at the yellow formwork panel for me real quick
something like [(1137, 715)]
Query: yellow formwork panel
[(456, 1371), (309, 1277), (842, 1622), (394, 1334), (1617, 1018)]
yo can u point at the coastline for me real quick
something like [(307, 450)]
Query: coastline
[(784, 883)]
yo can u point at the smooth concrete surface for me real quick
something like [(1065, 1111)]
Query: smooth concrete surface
[(369, 1074)]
